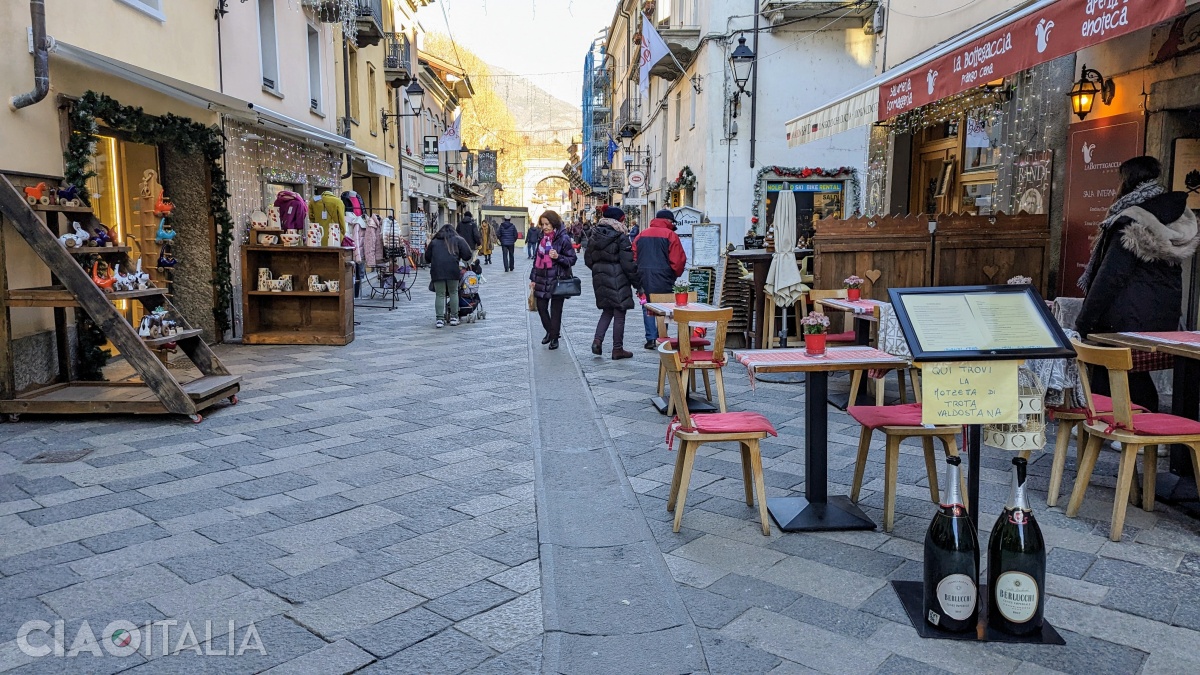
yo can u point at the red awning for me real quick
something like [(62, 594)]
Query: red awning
[(1062, 28)]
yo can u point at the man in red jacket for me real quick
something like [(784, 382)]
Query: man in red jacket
[(660, 261)]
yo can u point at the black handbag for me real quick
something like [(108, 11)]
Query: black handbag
[(566, 287)]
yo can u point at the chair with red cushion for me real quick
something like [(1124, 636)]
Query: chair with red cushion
[(1071, 418), (1132, 431), (693, 431), (815, 297), (711, 357), (663, 336), (898, 422)]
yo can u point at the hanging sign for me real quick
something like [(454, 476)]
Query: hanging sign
[(969, 392), (487, 166), (1095, 150), (1062, 28), (432, 160), (636, 179)]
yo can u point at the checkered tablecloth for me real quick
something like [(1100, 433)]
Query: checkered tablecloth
[(667, 309), (856, 306), (1179, 337), (753, 358)]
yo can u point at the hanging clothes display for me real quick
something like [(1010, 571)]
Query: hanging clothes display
[(371, 244), (293, 211), (352, 202), (326, 209), (355, 225)]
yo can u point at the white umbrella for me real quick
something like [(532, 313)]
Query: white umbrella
[(784, 285)]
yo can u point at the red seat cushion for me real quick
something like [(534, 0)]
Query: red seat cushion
[(1158, 424), (695, 341), (847, 336), (873, 417), (733, 423), (1102, 404)]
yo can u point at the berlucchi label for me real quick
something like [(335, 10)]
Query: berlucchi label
[(956, 594), (1016, 596)]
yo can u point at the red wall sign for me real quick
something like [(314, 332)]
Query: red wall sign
[(1057, 30), (1095, 149)]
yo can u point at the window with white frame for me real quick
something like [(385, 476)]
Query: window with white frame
[(268, 49), (153, 8), (314, 70)]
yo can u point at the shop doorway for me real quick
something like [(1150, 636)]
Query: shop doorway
[(1174, 137)]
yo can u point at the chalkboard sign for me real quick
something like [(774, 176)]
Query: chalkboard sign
[(701, 280)]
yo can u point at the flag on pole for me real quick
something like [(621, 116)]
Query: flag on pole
[(653, 49), (451, 140), (612, 148)]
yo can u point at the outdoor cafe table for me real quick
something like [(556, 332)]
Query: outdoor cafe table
[(667, 309), (816, 510), (865, 313), (1185, 397)]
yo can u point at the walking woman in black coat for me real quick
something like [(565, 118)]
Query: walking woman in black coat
[(609, 256), (553, 259), (1134, 279), (443, 254)]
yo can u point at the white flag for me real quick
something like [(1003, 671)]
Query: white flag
[(653, 49), (451, 139)]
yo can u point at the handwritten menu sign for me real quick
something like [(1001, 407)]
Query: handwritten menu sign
[(1095, 150), (706, 245), (970, 393)]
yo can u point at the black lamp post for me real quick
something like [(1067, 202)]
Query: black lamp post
[(1091, 85), (741, 60), (416, 101)]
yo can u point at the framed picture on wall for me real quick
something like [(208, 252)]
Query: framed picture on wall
[(946, 178)]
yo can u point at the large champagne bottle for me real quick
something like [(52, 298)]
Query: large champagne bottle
[(1016, 564), (952, 561)]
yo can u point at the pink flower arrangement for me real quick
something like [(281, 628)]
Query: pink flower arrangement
[(815, 323), (854, 281)]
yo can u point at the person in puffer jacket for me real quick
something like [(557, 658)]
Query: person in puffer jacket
[(508, 235), (660, 261), (609, 255), (293, 210), (554, 257)]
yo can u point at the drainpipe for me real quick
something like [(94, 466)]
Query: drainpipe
[(346, 103), (41, 58), (754, 89)]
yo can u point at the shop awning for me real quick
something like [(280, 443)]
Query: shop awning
[(199, 97), (1023, 37)]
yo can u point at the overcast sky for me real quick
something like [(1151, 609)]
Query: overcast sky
[(543, 39)]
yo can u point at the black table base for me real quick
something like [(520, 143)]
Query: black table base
[(695, 405), (912, 596), (797, 514)]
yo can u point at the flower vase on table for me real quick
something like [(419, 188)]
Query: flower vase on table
[(681, 295), (853, 284), (816, 325)]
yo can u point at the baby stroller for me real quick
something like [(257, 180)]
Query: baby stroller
[(470, 305)]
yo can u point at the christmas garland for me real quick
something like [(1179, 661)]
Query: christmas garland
[(686, 180), (807, 172), (180, 133)]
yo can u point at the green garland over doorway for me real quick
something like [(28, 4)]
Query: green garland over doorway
[(180, 133)]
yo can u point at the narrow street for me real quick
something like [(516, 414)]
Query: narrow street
[(382, 507)]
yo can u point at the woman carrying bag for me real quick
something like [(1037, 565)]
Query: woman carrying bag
[(552, 262)]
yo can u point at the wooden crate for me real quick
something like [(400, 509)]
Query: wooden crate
[(977, 250), (298, 317), (886, 251)]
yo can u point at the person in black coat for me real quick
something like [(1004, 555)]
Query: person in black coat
[(469, 231), (532, 236), (508, 235), (553, 260), (1134, 278), (609, 256), (443, 254)]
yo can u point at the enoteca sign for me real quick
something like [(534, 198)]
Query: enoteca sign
[(1062, 28)]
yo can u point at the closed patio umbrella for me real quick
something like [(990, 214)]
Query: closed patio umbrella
[(784, 285)]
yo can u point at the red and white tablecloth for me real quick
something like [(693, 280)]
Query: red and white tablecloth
[(667, 309), (752, 359), (1179, 337), (862, 306)]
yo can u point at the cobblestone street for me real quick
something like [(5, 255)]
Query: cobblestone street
[(381, 507)]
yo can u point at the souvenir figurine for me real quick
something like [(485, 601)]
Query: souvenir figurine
[(68, 195), (165, 231), (104, 282), (75, 239), (150, 187), (140, 278), (100, 237), (166, 257), (163, 207), (121, 282), (144, 327), (37, 194)]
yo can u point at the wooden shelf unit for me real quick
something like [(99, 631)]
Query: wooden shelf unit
[(298, 317)]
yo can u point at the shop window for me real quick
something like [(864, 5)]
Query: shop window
[(314, 71), (976, 198), (373, 104), (153, 8), (814, 201), (982, 140), (268, 50), (354, 85)]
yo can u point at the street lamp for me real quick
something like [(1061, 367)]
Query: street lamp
[(627, 140), (1091, 85), (741, 60), (416, 101)]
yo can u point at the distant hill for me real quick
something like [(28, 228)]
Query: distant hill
[(536, 112)]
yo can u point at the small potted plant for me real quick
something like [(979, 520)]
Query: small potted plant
[(815, 327), (853, 284), (681, 294)]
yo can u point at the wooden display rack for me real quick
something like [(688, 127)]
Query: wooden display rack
[(158, 392), (299, 316)]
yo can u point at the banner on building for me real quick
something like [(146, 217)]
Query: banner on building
[(451, 140), (1095, 150), (487, 166), (653, 50), (432, 160), (1065, 27)]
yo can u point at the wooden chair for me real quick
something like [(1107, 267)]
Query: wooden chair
[(693, 431), (1071, 419), (898, 422), (664, 336), (1132, 431), (712, 357)]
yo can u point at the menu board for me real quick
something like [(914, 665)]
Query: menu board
[(706, 245), (701, 281), (978, 322), (1033, 171), (1095, 150)]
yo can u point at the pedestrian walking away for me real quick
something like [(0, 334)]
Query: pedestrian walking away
[(609, 255), (1134, 278), (469, 231), (443, 254), (487, 240), (507, 235), (553, 260), (660, 261), (532, 236)]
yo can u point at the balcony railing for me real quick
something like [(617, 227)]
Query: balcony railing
[(397, 62), (370, 22), (630, 116)]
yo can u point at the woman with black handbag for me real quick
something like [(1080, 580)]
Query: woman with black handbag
[(551, 278)]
